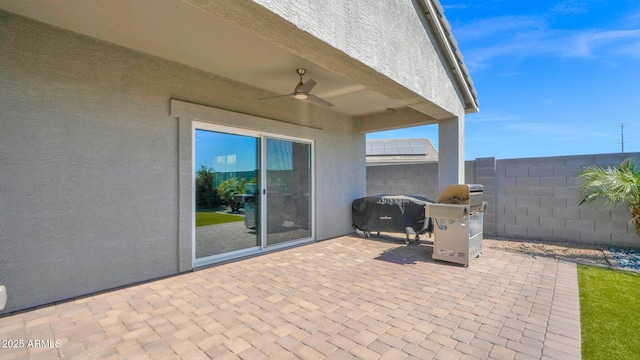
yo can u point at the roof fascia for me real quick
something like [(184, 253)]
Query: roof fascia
[(434, 12)]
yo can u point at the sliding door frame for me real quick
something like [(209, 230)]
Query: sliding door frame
[(263, 247), (263, 190)]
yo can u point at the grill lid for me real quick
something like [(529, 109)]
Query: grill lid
[(459, 194), (463, 194)]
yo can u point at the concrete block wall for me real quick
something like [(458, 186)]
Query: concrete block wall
[(531, 198), (410, 179)]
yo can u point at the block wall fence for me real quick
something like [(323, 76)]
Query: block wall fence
[(528, 198)]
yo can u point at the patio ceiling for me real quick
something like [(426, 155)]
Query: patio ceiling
[(193, 36), (242, 41)]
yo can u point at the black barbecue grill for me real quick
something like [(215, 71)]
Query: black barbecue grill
[(392, 213)]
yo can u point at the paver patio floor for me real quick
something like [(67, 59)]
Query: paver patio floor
[(342, 298)]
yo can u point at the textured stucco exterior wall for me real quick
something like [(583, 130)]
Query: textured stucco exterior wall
[(391, 37), (89, 172), (532, 198), (340, 178)]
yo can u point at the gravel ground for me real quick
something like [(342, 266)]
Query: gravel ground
[(618, 258), (589, 255), (611, 257)]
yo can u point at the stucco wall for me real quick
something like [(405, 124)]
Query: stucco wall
[(89, 178), (391, 37), (532, 198)]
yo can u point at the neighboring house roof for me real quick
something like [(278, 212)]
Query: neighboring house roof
[(400, 151)]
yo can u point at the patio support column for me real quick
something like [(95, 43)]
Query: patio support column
[(450, 152)]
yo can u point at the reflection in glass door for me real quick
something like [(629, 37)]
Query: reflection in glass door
[(288, 190), (227, 200)]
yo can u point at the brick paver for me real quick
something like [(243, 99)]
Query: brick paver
[(342, 298)]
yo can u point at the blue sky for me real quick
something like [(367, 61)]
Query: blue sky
[(225, 152), (553, 77), (230, 153)]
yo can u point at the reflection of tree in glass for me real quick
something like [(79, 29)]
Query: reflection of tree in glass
[(206, 195), (230, 187)]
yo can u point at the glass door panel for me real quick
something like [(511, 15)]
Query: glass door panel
[(227, 202), (288, 190)]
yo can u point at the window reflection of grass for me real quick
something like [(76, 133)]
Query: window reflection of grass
[(212, 218)]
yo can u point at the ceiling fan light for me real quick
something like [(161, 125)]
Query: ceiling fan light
[(301, 96)]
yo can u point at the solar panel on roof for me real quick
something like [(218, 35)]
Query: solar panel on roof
[(376, 148), (395, 147), (418, 146), (391, 150)]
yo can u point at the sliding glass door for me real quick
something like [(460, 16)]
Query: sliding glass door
[(251, 192), (227, 175), (288, 190)]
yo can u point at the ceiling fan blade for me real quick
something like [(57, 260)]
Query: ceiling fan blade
[(276, 96), (306, 87), (316, 100)]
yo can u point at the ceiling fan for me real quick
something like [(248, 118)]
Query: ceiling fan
[(302, 91)]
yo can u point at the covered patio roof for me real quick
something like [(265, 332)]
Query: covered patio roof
[(248, 42)]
